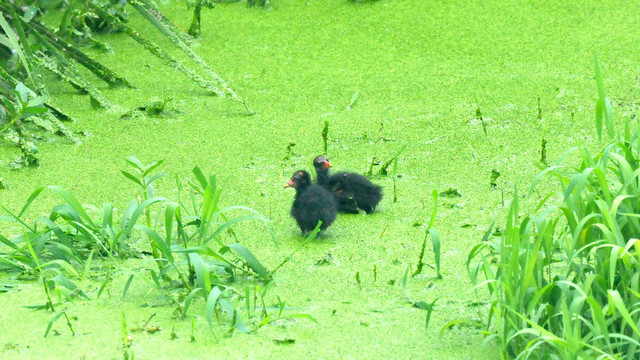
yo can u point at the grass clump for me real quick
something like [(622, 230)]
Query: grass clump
[(197, 253), (564, 284)]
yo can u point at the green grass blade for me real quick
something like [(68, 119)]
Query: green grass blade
[(32, 197), (300, 316), (157, 242), (139, 209), (53, 319), (189, 298), (608, 111), (212, 301), (203, 279), (149, 168), (12, 38), (171, 211), (126, 286), (131, 177), (616, 303), (251, 260), (59, 279), (200, 177), (63, 264), (434, 211), (73, 202), (435, 241), (135, 162), (87, 264), (107, 216)]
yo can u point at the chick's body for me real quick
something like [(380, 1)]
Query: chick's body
[(312, 203), (353, 191)]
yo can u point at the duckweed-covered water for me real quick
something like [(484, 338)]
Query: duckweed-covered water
[(417, 68)]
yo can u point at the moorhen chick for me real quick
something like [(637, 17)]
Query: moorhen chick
[(312, 203), (352, 190)]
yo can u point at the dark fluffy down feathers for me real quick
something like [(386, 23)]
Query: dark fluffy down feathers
[(312, 204), (354, 191)]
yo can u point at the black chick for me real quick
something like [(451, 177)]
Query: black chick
[(352, 190), (312, 203)]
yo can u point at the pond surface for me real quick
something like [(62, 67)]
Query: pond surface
[(417, 68)]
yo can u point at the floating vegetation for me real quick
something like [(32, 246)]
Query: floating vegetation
[(543, 141), (374, 162), (197, 5), (495, 174), (395, 176), (258, 3), (543, 151), (325, 136), (157, 108), (288, 155), (326, 259), (479, 116), (34, 47), (450, 192)]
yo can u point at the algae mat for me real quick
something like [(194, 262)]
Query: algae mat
[(417, 68)]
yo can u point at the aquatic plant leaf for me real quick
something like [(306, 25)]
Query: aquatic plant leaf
[(12, 39), (53, 319), (435, 241), (189, 298), (203, 277), (73, 202), (131, 177), (251, 260), (212, 301), (126, 286)]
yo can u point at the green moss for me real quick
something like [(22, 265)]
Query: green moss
[(416, 67)]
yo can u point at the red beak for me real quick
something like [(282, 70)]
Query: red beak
[(289, 184), (327, 164)]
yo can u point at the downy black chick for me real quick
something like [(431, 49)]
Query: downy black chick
[(353, 191), (312, 203)]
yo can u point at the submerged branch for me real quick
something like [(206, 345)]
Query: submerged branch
[(152, 15), (104, 73), (185, 37), (36, 74), (156, 50), (68, 71)]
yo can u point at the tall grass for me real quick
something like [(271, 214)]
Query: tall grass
[(197, 253), (565, 284)]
